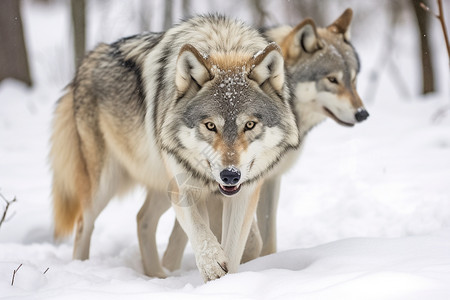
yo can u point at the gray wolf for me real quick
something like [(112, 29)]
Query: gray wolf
[(208, 99), (322, 65)]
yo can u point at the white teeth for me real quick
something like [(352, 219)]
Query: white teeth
[(227, 188)]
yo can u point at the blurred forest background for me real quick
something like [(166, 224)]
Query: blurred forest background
[(86, 29)]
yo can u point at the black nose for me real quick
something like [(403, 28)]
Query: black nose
[(361, 115), (230, 175)]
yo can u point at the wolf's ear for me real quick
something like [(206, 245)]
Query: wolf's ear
[(192, 67), (342, 24), (268, 66), (303, 38)]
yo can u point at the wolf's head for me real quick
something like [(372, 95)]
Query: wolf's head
[(232, 119), (323, 65)]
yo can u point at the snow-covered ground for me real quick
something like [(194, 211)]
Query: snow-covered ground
[(364, 214)]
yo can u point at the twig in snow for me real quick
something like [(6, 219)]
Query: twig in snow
[(8, 203), (46, 270), (439, 115), (14, 274)]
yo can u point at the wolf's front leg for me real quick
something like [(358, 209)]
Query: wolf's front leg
[(209, 255), (178, 239), (238, 215), (267, 214)]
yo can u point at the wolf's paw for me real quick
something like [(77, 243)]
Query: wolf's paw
[(212, 262)]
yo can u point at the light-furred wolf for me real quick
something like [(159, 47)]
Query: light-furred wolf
[(207, 98), (322, 66)]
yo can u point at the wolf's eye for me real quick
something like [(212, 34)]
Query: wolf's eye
[(332, 79), (211, 126), (249, 125)]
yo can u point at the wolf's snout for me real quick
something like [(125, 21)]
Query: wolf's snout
[(230, 176), (361, 115)]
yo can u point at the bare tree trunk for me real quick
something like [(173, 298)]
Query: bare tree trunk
[(384, 59), (144, 16), (13, 51), (260, 15), (168, 14), (426, 55), (186, 6), (78, 9), (308, 9)]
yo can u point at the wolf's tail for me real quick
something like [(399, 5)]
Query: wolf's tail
[(71, 184)]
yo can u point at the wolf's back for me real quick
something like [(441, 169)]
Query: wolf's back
[(70, 179)]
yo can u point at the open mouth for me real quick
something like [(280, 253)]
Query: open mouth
[(333, 116), (229, 190)]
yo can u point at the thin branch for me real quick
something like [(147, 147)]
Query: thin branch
[(441, 19), (46, 270), (14, 274), (444, 27), (8, 203)]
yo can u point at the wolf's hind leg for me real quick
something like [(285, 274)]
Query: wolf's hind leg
[(147, 221), (254, 244), (111, 181), (85, 227), (175, 248)]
